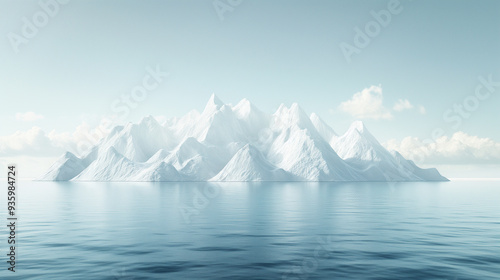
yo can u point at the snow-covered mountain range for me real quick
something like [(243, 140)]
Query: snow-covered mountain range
[(238, 143)]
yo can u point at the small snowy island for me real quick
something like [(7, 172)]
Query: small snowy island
[(238, 143)]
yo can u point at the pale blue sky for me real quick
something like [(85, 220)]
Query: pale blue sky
[(270, 52)]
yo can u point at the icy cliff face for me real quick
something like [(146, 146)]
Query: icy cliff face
[(238, 143)]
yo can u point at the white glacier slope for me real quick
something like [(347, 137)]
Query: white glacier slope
[(65, 168), (248, 164), (361, 149), (299, 149), (323, 129), (238, 143)]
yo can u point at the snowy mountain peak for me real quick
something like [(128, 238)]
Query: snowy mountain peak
[(110, 153), (293, 116), (69, 155), (213, 105), (243, 108), (244, 103), (358, 125), (65, 168), (296, 111), (250, 150), (158, 156), (249, 164), (149, 121), (357, 132), (359, 144), (324, 130)]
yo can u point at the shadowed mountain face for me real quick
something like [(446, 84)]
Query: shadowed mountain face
[(238, 143)]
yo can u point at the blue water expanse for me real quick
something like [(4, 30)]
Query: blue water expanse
[(73, 230)]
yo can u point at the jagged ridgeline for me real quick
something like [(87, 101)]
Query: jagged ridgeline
[(238, 143)]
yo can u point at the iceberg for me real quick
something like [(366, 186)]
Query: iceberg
[(238, 143)]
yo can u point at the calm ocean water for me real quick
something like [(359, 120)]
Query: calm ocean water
[(448, 230)]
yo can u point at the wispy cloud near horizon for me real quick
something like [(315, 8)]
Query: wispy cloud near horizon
[(28, 117), (460, 148)]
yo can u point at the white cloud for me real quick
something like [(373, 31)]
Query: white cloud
[(421, 110), (402, 104), (31, 142), (460, 148), (367, 104), (28, 117), (84, 137), (37, 143)]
